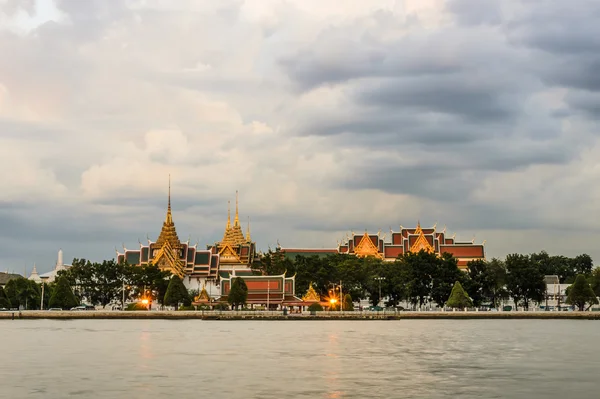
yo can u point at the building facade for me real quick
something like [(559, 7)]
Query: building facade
[(400, 242)]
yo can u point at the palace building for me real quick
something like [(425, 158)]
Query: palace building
[(404, 241), (268, 291), (169, 253)]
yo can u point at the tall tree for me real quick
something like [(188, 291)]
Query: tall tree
[(525, 281), (348, 305), (580, 293), (238, 293), (594, 281), (4, 302), (444, 278), (177, 293), (63, 296), (458, 298)]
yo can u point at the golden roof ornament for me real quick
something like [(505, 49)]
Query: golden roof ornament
[(311, 295)]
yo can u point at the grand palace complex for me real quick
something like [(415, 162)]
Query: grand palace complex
[(211, 270)]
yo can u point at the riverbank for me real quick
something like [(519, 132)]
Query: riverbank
[(258, 315)]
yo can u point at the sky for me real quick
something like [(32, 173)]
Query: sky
[(328, 119)]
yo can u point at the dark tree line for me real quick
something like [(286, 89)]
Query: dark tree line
[(101, 283), (423, 278)]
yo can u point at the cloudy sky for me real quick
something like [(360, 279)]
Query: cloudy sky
[(482, 116)]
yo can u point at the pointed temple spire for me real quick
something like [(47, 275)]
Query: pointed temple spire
[(168, 232), (236, 222), (169, 217), (228, 215), (248, 231)]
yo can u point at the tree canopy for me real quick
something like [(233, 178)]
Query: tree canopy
[(459, 298), (63, 296), (580, 293), (177, 293), (238, 293)]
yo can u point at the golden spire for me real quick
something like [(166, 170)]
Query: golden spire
[(236, 221), (168, 232), (169, 217), (228, 215), (248, 231)]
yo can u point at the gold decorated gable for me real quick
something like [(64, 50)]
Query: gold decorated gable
[(228, 255), (311, 295), (366, 247), (203, 296), (421, 243), (167, 258)]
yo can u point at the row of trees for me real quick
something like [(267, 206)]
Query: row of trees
[(418, 278), (423, 278), (27, 294)]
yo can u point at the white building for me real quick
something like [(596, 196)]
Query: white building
[(50, 276)]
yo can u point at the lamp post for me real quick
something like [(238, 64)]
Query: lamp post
[(42, 300), (379, 279)]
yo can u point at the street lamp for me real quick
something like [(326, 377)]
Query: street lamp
[(42, 300), (379, 279)]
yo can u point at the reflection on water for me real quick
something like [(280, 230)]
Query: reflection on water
[(299, 359)]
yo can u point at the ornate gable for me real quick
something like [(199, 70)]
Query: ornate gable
[(167, 258), (421, 243), (311, 295), (228, 254), (366, 247)]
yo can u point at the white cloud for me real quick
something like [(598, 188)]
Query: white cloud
[(325, 117)]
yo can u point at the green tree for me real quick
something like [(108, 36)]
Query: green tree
[(444, 276), (177, 293), (348, 305), (315, 307), (63, 296), (594, 281), (4, 301), (238, 293), (459, 298), (581, 293), (525, 280), (485, 281), (23, 293)]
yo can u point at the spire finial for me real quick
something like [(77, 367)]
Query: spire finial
[(169, 217), (248, 231), (228, 215), (236, 222)]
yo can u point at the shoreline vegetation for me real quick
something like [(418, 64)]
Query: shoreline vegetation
[(278, 315)]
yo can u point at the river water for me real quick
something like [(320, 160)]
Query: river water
[(300, 359)]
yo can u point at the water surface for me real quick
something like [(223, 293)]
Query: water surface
[(300, 359)]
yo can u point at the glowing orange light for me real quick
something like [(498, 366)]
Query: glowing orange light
[(145, 301), (333, 300)]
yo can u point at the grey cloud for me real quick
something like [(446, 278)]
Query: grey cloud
[(475, 12)]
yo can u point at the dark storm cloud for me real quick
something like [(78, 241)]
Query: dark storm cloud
[(452, 94)]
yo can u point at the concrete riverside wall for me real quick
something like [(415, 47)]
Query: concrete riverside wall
[(278, 315)]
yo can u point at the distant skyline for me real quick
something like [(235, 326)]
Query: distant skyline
[(481, 116)]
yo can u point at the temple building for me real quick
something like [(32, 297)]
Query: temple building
[(266, 291), (400, 242), (50, 276), (170, 253), (236, 251)]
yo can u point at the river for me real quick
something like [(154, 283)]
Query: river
[(300, 359)]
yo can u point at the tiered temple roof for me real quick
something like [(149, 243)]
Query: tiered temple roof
[(403, 241), (235, 250), (169, 253)]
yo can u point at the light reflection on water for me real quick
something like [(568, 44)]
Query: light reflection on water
[(299, 359)]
